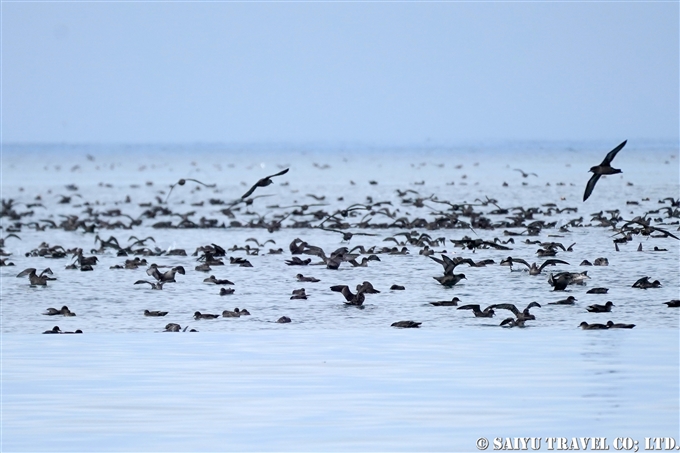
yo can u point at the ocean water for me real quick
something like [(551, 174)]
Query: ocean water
[(336, 378)]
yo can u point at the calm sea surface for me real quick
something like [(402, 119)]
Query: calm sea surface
[(335, 378)]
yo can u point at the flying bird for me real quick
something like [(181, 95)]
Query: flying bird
[(604, 168), (524, 174), (183, 181), (264, 182)]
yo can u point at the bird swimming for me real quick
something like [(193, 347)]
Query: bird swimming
[(568, 301), (217, 281), (199, 315), (597, 308), (446, 303), (155, 313), (585, 326), (612, 325), (604, 168), (406, 324), (63, 311)]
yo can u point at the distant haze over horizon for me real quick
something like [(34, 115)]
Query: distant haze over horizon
[(339, 74)]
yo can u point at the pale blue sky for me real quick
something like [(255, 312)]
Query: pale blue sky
[(339, 72)]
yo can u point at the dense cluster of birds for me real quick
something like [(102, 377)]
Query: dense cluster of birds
[(352, 221)]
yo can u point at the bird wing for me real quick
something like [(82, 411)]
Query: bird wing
[(591, 185), (612, 154), (250, 191), (196, 180), (469, 307), (282, 172), (172, 186), (26, 272), (550, 262), (510, 307), (466, 261), (154, 272), (438, 260), (521, 261)]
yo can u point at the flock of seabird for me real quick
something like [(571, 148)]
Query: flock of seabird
[(357, 216)]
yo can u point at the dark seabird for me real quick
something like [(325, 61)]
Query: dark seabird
[(406, 324), (612, 325), (512, 322), (199, 315), (524, 174), (172, 327), (283, 320), (446, 303), (351, 298), (560, 281), (585, 326), (450, 264), (63, 311), (644, 283), (367, 287), (217, 281), (302, 278), (568, 301), (295, 261), (346, 235), (597, 291), (264, 182), (34, 278), (487, 313), (155, 313), (226, 291), (231, 314), (604, 168), (673, 303), (242, 312), (299, 294), (450, 280), (601, 262), (205, 267), (165, 277), (181, 182), (54, 329), (520, 315), (596, 308), (397, 288), (154, 285), (534, 269)]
